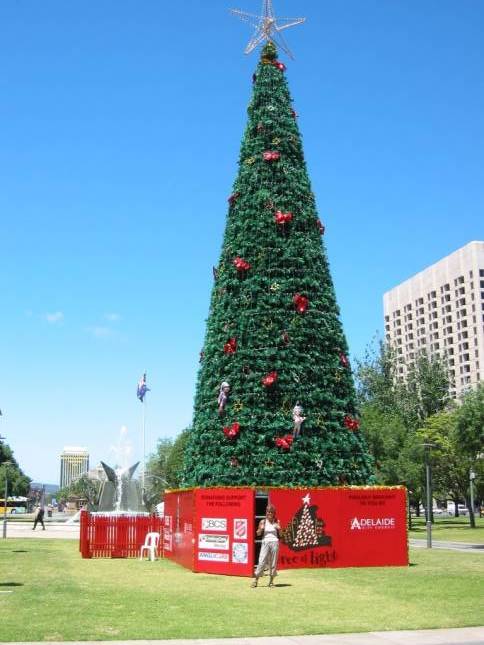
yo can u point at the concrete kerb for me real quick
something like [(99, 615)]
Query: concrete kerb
[(457, 636)]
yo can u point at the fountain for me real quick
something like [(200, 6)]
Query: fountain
[(121, 493), (119, 527)]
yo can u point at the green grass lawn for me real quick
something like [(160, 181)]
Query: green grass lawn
[(58, 596), (453, 529)]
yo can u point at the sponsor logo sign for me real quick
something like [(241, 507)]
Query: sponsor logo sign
[(372, 523), (240, 529), (218, 542), (240, 552), (213, 557), (168, 541), (214, 523)]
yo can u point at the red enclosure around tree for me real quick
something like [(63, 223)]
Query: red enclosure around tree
[(212, 530)]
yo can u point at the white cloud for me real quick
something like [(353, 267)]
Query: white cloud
[(54, 317), (100, 332), (112, 317)]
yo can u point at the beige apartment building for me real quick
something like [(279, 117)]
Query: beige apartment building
[(441, 310), (74, 462)]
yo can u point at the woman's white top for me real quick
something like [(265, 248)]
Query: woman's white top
[(270, 532)]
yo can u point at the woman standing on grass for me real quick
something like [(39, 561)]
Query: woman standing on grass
[(269, 528)]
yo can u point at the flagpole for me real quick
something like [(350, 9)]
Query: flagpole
[(143, 413)]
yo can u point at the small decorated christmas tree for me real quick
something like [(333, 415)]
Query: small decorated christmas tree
[(275, 401), (306, 532), (306, 529)]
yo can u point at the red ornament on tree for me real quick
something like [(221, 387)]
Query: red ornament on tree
[(269, 379), (241, 265), (343, 359), (285, 338), (321, 227), (279, 65), (282, 218), (234, 462), (230, 346), (232, 431), (300, 302), (294, 114), (351, 423), (233, 198), (271, 155), (284, 442)]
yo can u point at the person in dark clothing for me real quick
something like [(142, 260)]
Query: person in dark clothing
[(39, 517)]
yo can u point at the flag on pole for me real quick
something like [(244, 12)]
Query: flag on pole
[(142, 388)]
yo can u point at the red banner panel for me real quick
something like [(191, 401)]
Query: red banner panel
[(178, 535), (224, 531), (341, 527)]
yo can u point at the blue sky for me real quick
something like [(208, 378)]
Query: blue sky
[(120, 128)]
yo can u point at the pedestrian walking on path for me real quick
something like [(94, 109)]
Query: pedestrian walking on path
[(39, 517)]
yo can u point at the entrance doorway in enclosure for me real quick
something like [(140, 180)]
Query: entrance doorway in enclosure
[(261, 500)]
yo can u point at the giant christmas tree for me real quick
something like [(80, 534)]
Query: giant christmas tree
[(275, 401)]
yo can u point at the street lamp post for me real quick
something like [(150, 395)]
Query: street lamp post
[(472, 476), (6, 464), (428, 477)]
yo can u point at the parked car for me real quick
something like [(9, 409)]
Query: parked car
[(462, 508)]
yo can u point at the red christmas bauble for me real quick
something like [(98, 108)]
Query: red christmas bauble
[(301, 303), (282, 218), (232, 431), (233, 198), (271, 155), (343, 359), (230, 346), (269, 379), (351, 423), (284, 442), (241, 265)]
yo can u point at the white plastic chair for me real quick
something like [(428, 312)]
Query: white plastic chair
[(150, 545)]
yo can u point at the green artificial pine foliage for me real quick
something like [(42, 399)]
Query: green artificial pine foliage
[(254, 326)]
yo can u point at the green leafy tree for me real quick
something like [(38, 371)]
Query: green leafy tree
[(274, 332), (156, 472), (392, 410), (450, 466), (425, 390), (470, 423), (17, 482), (82, 488), (469, 432), (174, 465), (164, 468)]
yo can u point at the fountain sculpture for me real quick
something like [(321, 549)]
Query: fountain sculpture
[(120, 493)]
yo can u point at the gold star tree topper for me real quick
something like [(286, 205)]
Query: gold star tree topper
[(267, 27)]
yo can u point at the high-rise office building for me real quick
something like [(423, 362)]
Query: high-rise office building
[(441, 310), (74, 462)]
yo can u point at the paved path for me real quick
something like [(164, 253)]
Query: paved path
[(454, 546), (52, 530), (464, 636)]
